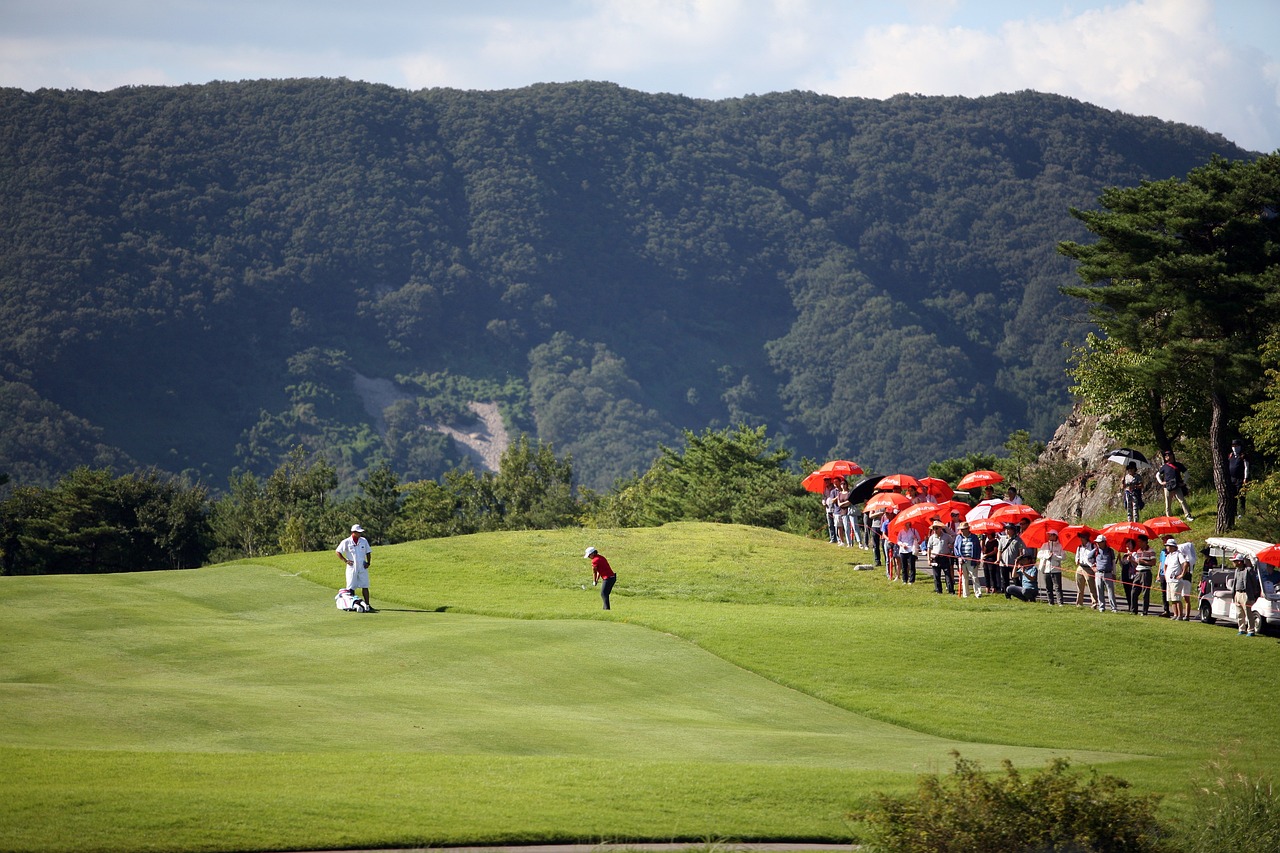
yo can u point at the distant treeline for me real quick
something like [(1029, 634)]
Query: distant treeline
[(92, 521), (195, 279)]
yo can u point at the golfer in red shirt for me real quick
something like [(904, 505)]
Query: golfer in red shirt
[(601, 571)]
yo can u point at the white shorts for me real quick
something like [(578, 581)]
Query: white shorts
[(1183, 589), (357, 577)]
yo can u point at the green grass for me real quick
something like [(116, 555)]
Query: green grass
[(747, 685)]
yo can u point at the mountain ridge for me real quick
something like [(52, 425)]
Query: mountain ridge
[(192, 274)]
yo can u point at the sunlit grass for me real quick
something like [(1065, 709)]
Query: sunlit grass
[(746, 685)]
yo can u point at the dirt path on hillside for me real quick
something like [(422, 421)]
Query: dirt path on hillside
[(485, 442)]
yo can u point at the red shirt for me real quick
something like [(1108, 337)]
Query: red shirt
[(600, 566)]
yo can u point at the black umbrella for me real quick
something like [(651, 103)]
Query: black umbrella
[(1125, 455), (864, 489)]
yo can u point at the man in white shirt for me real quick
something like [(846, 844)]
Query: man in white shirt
[(356, 553), (1176, 572)]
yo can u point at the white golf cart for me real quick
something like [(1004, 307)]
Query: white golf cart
[(1217, 594)]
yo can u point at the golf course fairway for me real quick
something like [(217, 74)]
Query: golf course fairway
[(747, 685)]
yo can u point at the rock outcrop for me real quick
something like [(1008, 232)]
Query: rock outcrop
[(1095, 490)]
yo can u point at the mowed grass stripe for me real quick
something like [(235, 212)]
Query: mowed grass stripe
[(282, 672)]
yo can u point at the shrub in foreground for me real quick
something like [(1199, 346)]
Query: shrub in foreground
[(1234, 812), (1052, 811)]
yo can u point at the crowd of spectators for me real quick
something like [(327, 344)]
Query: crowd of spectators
[(1000, 561)]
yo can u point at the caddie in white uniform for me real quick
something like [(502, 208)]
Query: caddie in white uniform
[(356, 553)]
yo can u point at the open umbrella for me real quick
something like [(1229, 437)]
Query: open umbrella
[(978, 479), (842, 468), (1125, 455), (985, 508), (983, 526), (863, 489), (935, 488), (1269, 555), (1166, 525), (886, 500), (1074, 535), (924, 511), (1121, 530), (1037, 532), (897, 481), (920, 523), (918, 516), (816, 482), (945, 508), (1014, 513)]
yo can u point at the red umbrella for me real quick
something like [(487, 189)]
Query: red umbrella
[(1074, 535), (842, 468), (816, 482), (924, 510), (1269, 555), (947, 507), (1121, 530), (897, 481), (1037, 532), (978, 479), (920, 523), (985, 525), (886, 500), (937, 489), (1014, 513), (985, 508), (1166, 525)]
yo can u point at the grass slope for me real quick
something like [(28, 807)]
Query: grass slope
[(747, 685)]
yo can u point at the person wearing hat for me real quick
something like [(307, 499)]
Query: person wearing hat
[(1024, 586), (356, 553), (968, 549), (1176, 583), (601, 573), (1144, 562), (941, 552), (1049, 563), (1248, 589), (1104, 573)]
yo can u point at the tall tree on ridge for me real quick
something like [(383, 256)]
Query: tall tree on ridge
[(1186, 273)]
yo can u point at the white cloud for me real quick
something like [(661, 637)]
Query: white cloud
[(1154, 57)]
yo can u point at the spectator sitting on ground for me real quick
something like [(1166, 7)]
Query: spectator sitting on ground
[(1026, 587)]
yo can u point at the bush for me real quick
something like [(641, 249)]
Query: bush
[(1053, 811), (1234, 812)]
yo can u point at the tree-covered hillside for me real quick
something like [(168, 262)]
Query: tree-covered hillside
[(194, 277)]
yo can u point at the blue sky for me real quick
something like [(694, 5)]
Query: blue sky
[(1210, 63)]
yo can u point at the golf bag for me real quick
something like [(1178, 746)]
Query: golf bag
[(348, 600)]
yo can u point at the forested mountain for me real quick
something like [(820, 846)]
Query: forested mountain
[(194, 277)]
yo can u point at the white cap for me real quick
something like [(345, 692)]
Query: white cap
[(355, 528), (1100, 538), (1171, 541), (590, 551)]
